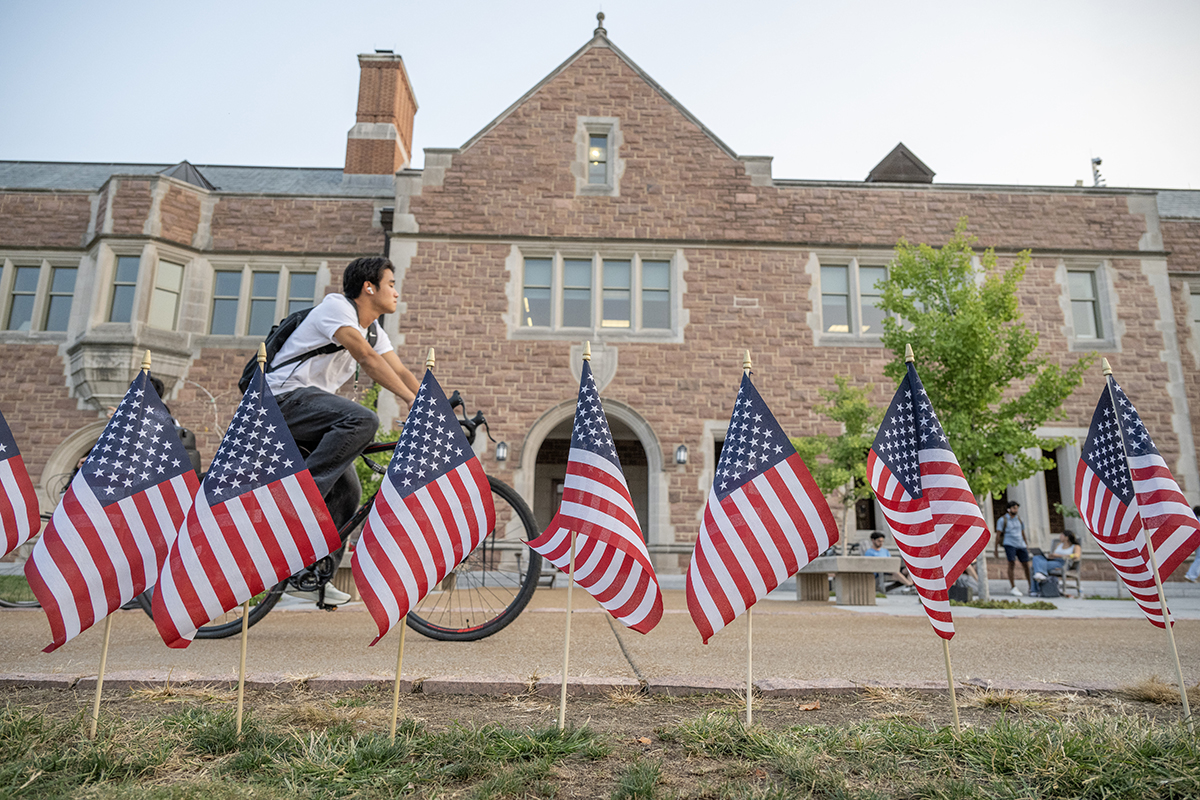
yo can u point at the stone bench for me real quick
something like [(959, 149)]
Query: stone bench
[(854, 578)]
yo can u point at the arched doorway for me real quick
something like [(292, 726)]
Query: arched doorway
[(550, 470)]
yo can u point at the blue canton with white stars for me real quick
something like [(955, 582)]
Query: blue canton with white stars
[(432, 444), (754, 442), (1102, 448), (257, 449), (591, 430), (138, 449), (8, 445), (910, 425)]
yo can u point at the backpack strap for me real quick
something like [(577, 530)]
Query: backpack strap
[(332, 347)]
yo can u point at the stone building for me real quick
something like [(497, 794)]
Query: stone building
[(595, 208)]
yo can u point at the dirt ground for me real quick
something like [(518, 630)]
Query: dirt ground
[(622, 717)]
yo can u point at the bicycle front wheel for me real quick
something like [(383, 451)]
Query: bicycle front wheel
[(229, 623), (492, 585)]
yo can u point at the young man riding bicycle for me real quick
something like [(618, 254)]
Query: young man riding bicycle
[(336, 429)]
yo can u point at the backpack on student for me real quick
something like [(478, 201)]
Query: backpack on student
[(279, 334)]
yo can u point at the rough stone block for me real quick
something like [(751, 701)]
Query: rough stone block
[(482, 685), (37, 680), (551, 686), (683, 685), (346, 681), (791, 687)]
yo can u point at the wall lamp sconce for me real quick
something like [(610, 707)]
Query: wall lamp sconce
[(502, 451), (681, 454)]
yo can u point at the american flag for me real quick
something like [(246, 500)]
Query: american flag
[(611, 560), (764, 520), (1121, 492), (925, 498), (19, 515), (433, 508), (109, 536), (257, 519)]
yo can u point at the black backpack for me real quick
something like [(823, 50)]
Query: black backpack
[(279, 334)]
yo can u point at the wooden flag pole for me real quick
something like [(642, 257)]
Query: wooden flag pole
[(1162, 597), (562, 690), (430, 363), (241, 693), (910, 358), (100, 677), (749, 665), (107, 629), (950, 683), (746, 367), (396, 684), (242, 663)]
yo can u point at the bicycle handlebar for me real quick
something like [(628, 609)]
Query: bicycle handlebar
[(469, 425)]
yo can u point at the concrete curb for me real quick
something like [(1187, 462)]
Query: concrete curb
[(549, 686)]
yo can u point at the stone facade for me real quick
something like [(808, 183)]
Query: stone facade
[(745, 251)]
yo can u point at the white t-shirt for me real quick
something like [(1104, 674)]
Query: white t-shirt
[(330, 370)]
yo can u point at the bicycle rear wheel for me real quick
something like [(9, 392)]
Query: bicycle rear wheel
[(229, 623), (15, 592), (492, 585)]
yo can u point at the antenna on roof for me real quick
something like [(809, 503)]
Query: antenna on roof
[(600, 31), (1097, 179)]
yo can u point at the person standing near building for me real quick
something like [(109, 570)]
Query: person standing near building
[(1010, 531), (336, 429), (1193, 574)]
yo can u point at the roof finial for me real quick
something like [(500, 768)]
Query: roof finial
[(600, 31)]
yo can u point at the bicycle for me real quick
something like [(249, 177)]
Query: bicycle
[(482, 595)]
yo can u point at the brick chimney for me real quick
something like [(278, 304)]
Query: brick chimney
[(381, 142)]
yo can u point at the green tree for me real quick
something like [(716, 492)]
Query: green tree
[(976, 357), (839, 463)]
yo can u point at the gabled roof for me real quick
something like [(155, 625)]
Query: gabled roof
[(600, 40), (302, 181), (188, 174), (901, 166)]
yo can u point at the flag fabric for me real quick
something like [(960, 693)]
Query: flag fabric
[(926, 500), (433, 508), (110, 534), (611, 560), (20, 516), (1122, 490), (257, 519), (765, 518)]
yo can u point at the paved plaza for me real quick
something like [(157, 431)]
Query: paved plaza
[(1083, 644)]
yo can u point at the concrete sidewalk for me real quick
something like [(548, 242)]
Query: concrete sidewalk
[(1083, 645)]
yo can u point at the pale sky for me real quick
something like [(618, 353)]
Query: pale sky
[(1002, 92)]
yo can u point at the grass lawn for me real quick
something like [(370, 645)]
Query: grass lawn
[(181, 743)]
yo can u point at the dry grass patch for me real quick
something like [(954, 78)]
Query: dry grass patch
[(628, 696), (890, 703), (1021, 702), (320, 717), (183, 694), (1156, 690)]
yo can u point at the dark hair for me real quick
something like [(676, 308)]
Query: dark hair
[(876, 535), (157, 383), (1072, 538), (1012, 504), (368, 269)]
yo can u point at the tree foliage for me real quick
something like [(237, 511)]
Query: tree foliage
[(976, 357), (839, 463)]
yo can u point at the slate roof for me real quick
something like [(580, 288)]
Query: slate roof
[(301, 181), (1179, 204)]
